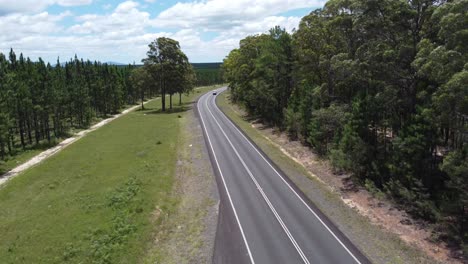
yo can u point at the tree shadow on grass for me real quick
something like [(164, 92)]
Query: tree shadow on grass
[(177, 109), (146, 109)]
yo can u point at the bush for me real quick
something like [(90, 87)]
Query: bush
[(415, 200), (293, 122), (339, 160), (326, 126), (376, 192)]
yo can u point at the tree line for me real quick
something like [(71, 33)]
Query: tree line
[(208, 73), (380, 87), (40, 102)]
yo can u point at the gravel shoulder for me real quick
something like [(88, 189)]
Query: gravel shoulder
[(373, 226), (188, 234)]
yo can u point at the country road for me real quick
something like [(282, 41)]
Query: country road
[(264, 217)]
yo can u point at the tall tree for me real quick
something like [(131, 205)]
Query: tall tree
[(169, 65)]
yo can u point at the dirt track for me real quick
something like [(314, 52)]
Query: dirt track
[(51, 151)]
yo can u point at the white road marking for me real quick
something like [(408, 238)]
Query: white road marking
[(265, 197), (224, 183), (290, 187)]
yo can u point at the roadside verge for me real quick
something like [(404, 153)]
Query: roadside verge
[(107, 197)]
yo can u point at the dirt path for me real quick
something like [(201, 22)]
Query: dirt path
[(51, 151)]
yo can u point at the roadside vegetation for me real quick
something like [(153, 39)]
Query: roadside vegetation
[(378, 87), (40, 104), (100, 200)]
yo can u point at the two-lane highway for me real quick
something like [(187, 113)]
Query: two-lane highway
[(272, 219)]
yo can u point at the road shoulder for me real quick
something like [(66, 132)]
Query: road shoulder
[(188, 234)]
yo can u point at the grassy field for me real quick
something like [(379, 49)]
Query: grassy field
[(377, 244), (20, 156), (11, 162), (99, 200)]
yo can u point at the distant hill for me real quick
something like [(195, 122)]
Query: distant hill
[(197, 66), (207, 65), (115, 63)]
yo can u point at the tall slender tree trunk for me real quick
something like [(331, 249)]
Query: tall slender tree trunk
[(21, 128), (46, 127), (163, 91), (28, 125), (36, 128), (2, 150), (10, 141), (170, 101), (180, 98), (163, 96), (54, 122)]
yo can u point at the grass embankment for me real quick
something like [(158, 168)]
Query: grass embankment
[(99, 200), (379, 246)]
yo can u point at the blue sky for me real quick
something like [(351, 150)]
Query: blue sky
[(120, 31)]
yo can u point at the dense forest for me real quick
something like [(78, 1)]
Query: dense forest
[(40, 102), (380, 87), (208, 73)]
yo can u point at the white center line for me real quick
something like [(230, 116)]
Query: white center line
[(265, 197), (224, 183), (290, 187)]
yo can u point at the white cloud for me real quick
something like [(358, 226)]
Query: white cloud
[(126, 7), (17, 26), (34, 6), (123, 33), (221, 14), (115, 36), (125, 21), (74, 2)]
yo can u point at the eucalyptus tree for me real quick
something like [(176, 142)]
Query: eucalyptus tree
[(168, 65), (141, 81)]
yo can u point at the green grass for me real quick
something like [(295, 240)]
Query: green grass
[(99, 200), (11, 162), (20, 156)]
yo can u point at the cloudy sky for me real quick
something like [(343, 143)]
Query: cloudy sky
[(119, 31)]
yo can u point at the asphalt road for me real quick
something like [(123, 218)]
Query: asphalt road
[(264, 217)]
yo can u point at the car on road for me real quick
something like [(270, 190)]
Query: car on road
[(215, 92)]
